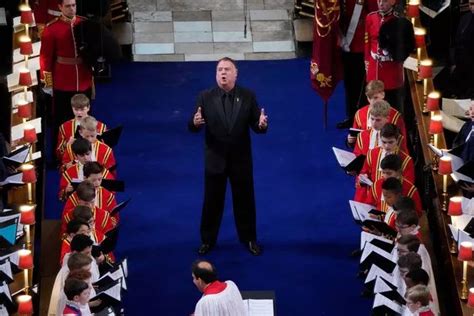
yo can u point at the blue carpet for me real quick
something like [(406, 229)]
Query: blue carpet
[(303, 217)]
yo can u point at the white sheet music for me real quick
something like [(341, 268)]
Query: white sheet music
[(262, 307), (456, 107), (360, 211), (17, 130), (460, 222), (14, 179), (343, 157), (451, 123), (411, 64), (7, 269), (467, 206)]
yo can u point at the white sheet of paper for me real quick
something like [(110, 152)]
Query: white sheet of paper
[(258, 307), (381, 300), (433, 13), (364, 179), (7, 269), (381, 285), (366, 237), (463, 236), (375, 271), (369, 248), (361, 209), (343, 157), (451, 123), (18, 27), (411, 64), (3, 17), (13, 79), (14, 179), (467, 206), (33, 64), (20, 96), (17, 57), (456, 107), (17, 130), (438, 152), (460, 222)]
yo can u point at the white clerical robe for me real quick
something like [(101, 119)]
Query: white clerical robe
[(221, 299)]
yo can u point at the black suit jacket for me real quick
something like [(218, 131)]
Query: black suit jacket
[(227, 146)]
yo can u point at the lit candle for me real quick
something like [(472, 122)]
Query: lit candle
[(432, 103), (29, 133)]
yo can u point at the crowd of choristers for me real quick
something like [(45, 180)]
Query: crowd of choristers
[(393, 260), (87, 217)]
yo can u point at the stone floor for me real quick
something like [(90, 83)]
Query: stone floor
[(179, 30)]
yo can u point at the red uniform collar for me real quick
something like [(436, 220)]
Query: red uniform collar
[(215, 287)]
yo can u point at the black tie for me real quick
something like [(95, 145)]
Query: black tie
[(228, 108)]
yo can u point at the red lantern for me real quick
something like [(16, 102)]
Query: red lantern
[(29, 134), (436, 125), (445, 167), (26, 15), (465, 251), (25, 305), (455, 206), (25, 260), (28, 173), (425, 70), (25, 78), (413, 9), (420, 37), (470, 298), (24, 109), (432, 103), (27, 214), (26, 48)]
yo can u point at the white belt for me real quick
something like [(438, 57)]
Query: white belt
[(54, 13), (380, 57)]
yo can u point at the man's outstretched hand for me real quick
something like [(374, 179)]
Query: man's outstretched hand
[(198, 120), (263, 120)]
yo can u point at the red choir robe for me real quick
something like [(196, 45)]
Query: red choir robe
[(362, 117), (74, 172), (408, 189), (103, 155), (103, 221), (363, 145), (68, 130)]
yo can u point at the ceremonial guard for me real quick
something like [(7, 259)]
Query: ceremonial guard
[(353, 15), (389, 39), (61, 67)]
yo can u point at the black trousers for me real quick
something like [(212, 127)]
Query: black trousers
[(354, 82), (243, 202)]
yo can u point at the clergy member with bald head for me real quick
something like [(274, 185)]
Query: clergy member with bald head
[(218, 298), (227, 112)]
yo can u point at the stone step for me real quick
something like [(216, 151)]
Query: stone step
[(181, 30)]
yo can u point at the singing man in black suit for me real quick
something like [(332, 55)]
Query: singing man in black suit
[(227, 111)]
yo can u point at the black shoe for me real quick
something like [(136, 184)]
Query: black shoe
[(204, 249), (254, 248), (344, 124)]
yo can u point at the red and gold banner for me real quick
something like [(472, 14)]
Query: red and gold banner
[(326, 68)]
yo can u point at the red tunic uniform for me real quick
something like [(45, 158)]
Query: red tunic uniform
[(104, 199), (363, 144), (103, 221), (372, 169), (68, 130), (45, 10), (103, 155), (362, 117), (59, 56), (357, 43), (408, 189), (73, 172), (380, 65)]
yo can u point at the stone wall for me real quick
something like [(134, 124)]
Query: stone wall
[(186, 30)]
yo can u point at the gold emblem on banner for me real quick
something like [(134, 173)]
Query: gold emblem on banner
[(323, 80)]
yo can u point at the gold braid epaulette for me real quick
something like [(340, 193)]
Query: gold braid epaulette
[(52, 21)]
